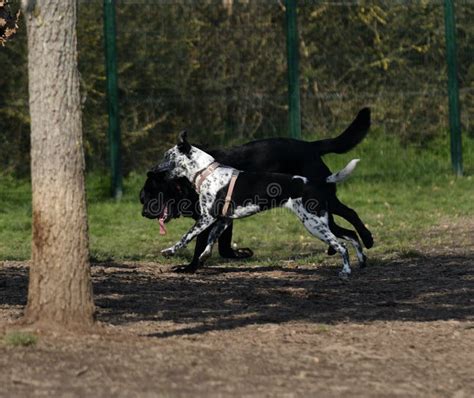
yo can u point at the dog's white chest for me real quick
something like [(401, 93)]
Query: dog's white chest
[(219, 179)]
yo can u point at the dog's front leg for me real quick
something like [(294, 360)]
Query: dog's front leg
[(225, 246), (214, 234), (201, 242), (201, 224)]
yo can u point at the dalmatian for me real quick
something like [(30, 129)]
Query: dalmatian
[(226, 194)]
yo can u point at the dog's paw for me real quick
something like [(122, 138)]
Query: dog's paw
[(368, 239), (185, 269), (343, 275), (169, 252), (240, 254), (363, 263), (205, 254)]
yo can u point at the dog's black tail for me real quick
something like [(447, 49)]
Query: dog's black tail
[(351, 136)]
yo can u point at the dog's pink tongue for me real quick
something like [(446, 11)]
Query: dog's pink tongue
[(161, 220)]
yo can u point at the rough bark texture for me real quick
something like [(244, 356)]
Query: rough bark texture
[(60, 292)]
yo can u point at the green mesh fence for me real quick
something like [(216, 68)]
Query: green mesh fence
[(219, 69)]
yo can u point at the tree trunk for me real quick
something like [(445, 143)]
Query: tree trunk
[(60, 291)]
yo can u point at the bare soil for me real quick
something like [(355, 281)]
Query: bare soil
[(404, 327)]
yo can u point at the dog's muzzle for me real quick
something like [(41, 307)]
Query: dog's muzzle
[(153, 208), (165, 166)]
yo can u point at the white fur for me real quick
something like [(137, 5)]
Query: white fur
[(318, 226), (341, 175), (305, 180), (246, 211), (187, 165)]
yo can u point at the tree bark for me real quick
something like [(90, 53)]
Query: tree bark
[(60, 291)]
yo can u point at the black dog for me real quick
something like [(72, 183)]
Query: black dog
[(282, 155)]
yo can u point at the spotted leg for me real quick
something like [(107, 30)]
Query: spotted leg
[(216, 231), (361, 257), (201, 224), (351, 237), (319, 226)]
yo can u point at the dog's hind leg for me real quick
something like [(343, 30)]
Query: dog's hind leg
[(340, 232), (361, 257), (217, 229), (351, 237), (319, 226), (340, 209)]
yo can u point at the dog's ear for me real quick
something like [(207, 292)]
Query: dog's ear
[(183, 144), (183, 136)]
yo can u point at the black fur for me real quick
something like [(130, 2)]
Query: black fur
[(278, 155)]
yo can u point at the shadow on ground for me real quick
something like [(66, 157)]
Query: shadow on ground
[(418, 288)]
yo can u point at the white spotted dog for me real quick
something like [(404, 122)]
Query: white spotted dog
[(226, 194)]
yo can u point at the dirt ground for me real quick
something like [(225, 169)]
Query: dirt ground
[(403, 327)]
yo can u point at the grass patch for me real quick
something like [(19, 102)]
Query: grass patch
[(399, 191), (321, 328), (410, 253), (20, 339)]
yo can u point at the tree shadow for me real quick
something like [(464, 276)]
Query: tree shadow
[(13, 285), (417, 288)]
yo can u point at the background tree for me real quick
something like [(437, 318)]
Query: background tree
[(60, 291)]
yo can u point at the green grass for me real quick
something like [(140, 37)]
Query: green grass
[(400, 192), (20, 339)]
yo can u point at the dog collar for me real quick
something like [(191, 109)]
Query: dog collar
[(230, 190), (203, 174)]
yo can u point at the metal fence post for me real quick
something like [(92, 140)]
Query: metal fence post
[(453, 87), (294, 112), (112, 97)]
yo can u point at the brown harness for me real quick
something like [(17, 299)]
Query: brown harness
[(230, 190), (203, 174)]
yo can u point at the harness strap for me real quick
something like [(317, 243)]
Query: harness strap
[(203, 174), (230, 190)]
